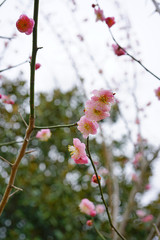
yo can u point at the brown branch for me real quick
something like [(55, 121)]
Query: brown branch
[(5, 160)]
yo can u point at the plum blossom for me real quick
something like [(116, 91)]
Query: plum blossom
[(94, 178), (78, 153), (99, 14), (25, 24), (138, 158), (117, 50), (147, 218), (147, 187), (157, 92), (37, 66), (110, 21), (140, 213), (43, 134), (95, 111), (89, 223), (86, 127), (103, 97), (6, 99), (87, 207), (100, 208)]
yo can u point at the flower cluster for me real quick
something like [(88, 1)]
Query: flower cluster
[(96, 109), (78, 153), (6, 99), (143, 217), (25, 24), (87, 207), (43, 134)]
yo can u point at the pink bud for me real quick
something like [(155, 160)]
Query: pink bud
[(110, 21), (38, 65), (89, 223)]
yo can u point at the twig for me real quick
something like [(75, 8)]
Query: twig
[(5, 160), (136, 60), (5, 69), (17, 190), (56, 126), (156, 6), (30, 151), (8, 38), (156, 229), (2, 3), (101, 192), (98, 232), (23, 119)]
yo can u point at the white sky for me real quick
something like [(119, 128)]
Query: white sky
[(59, 26)]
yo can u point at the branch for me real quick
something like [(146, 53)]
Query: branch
[(2, 3), (156, 4), (98, 232), (101, 193), (30, 128), (5, 69), (56, 126), (8, 38), (136, 60), (17, 190), (5, 160)]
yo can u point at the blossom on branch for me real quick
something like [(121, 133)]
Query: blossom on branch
[(43, 134), (78, 153), (110, 21), (103, 97), (94, 178), (89, 223), (95, 112), (87, 207), (25, 24), (6, 99), (157, 92), (37, 66), (86, 127), (118, 50), (99, 14)]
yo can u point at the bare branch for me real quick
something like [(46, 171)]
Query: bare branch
[(57, 126), (157, 6), (23, 119), (8, 38), (6, 69), (2, 3), (6, 161)]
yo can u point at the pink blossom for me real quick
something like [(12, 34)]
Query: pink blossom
[(100, 208), (99, 15), (140, 213), (78, 152), (147, 218), (118, 51), (148, 186), (94, 178), (110, 21), (137, 121), (6, 99), (157, 92), (43, 134), (95, 111), (86, 127), (138, 158), (87, 207), (25, 24), (103, 97), (89, 223), (38, 65)]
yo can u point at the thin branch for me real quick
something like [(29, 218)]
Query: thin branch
[(5, 160), (152, 232), (30, 128), (56, 126), (8, 38), (101, 193), (16, 190), (99, 233), (6, 69), (23, 119), (2, 3), (136, 60), (12, 142), (156, 4), (30, 151), (156, 229)]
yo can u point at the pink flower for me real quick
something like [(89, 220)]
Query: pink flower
[(87, 207), (25, 24), (38, 65), (95, 111), (103, 97), (86, 127), (118, 51), (99, 14), (100, 208), (110, 21), (138, 158), (157, 92), (78, 152), (43, 134), (148, 186), (6, 99), (147, 218), (94, 178), (140, 213), (89, 223)]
